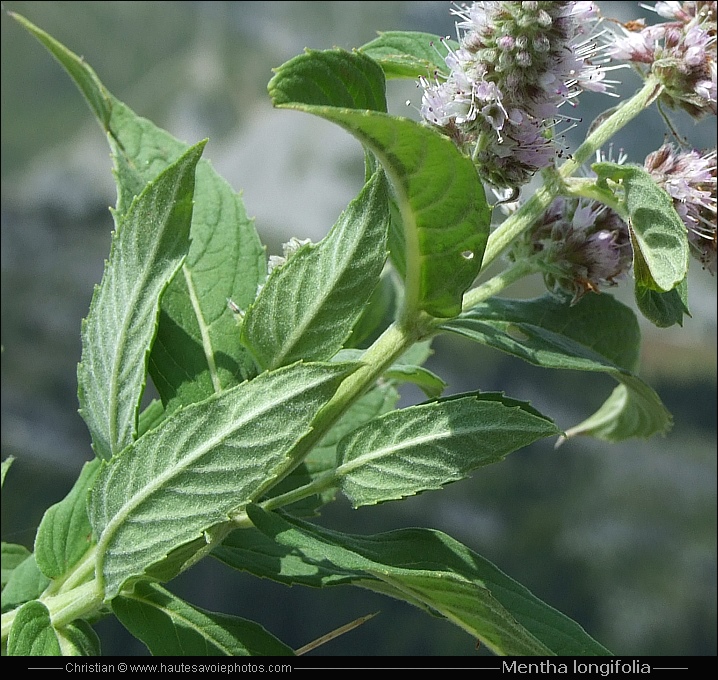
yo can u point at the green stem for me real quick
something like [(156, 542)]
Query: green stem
[(530, 211), (388, 347), (414, 325), (623, 115), (64, 607), (74, 595), (376, 360), (496, 284), (74, 604), (520, 221), (322, 483), (587, 188), (79, 574)]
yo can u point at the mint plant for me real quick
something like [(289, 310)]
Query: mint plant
[(278, 379)]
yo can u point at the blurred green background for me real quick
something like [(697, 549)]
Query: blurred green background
[(621, 538)]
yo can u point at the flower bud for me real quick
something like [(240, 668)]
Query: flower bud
[(580, 246)]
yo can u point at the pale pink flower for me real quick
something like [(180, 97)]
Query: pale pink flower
[(517, 64), (689, 178)]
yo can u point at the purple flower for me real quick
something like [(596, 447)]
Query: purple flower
[(689, 177), (580, 245), (517, 64), (680, 52), (675, 10)]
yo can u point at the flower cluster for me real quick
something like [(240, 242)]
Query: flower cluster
[(680, 52), (580, 246), (516, 64), (689, 177)]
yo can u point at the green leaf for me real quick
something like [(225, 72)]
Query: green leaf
[(196, 352), (382, 398), (424, 567), (78, 639), (427, 446), (25, 583), (65, 534), (31, 633), (13, 555), (4, 469), (151, 417), (252, 552), (430, 383), (342, 79), (330, 78), (658, 235), (208, 459), (98, 98), (148, 248), (442, 203), (309, 305), (597, 334), (410, 54), (664, 309), (441, 199), (377, 313), (631, 408), (171, 627), (396, 239)]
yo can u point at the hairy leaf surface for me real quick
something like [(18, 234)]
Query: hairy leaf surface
[(25, 583), (148, 248), (330, 78), (663, 309), (410, 54), (322, 459), (65, 534), (78, 639), (427, 446), (31, 633), (659, 239), (309, 305), (13, 555), (208, 459), (658, 234)]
